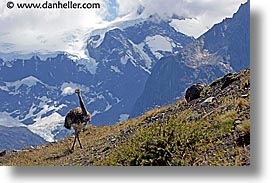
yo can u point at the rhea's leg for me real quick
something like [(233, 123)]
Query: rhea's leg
[(75, 136), (79, 140)]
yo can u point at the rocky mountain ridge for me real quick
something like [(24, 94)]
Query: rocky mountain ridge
[(221, 50)]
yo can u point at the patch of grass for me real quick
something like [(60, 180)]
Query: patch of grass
[(244, 127), (93, 141), (244, 80), (176, 142), (242, 103)]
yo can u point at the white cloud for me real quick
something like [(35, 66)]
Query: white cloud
[(185, 8), (69, 88), (51, 29), (204, 13), (47, 31), (68, 91)]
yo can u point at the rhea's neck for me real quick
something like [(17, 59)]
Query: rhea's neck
[(82, 105)]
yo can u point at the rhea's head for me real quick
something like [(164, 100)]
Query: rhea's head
[(77, 91)]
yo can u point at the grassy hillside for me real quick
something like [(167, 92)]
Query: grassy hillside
[(188, 134)]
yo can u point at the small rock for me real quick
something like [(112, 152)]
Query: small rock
[(105, 149), (237, 122), (208, 101), (154, 118), (244, 96)]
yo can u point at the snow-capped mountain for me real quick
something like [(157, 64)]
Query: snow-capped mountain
[(38, 92), (222, 49)]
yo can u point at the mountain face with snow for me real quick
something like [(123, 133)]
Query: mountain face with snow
[(38, 92), (222, 49), (125, 62)]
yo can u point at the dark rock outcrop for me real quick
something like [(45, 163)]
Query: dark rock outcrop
[(193, 92)]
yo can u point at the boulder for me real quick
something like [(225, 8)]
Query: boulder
[(193, 92)]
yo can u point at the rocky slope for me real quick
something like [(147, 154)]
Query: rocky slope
[(196, 133)]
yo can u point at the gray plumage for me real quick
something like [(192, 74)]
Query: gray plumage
[(77, 118)]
